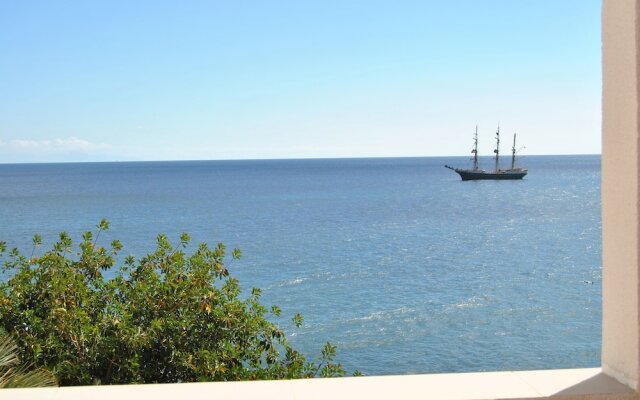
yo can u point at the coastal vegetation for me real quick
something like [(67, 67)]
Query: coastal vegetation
[(14, 374), (170, 316)]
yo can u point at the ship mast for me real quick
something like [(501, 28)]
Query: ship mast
[(497, 150), (513, 153), (474, 151)]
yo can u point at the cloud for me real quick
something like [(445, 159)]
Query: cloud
[(59, 149), (72, 144)]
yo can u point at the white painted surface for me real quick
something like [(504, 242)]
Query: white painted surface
[(572, 383), (620, 218)]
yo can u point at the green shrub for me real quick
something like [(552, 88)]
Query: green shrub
[(167, 317)]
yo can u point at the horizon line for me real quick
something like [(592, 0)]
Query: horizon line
[(282, 159)]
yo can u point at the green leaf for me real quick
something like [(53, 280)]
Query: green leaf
[(328, 352), (298, 319), (37, 240), (184, 239), (103, 225), (116, 246)]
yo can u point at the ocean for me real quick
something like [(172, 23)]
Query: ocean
[(396, 261)]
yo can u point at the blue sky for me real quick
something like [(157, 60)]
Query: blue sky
[(175, 80)]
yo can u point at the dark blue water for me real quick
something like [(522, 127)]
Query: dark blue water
[(396, 261)]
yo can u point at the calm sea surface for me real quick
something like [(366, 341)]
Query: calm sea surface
[(399, 263)]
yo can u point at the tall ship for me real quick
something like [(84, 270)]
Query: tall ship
[(476, 173)]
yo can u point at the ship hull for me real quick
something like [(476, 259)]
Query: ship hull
[(471, 175)]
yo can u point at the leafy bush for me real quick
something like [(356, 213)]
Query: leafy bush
[(167, 317)]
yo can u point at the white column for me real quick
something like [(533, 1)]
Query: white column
[(620, 216)]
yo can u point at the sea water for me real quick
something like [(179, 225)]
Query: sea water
[(396, 261)]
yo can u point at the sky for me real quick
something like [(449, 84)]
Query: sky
[(199, 80)]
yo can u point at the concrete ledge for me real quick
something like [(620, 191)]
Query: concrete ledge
[(568, 383)]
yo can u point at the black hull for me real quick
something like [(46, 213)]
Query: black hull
[(471, 175)]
